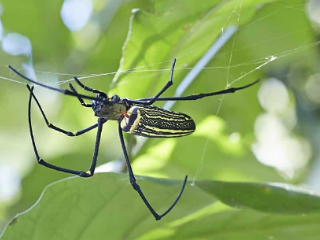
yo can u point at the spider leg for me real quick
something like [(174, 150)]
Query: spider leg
[(64, 91), (137, 187), (150, 101), (89, 89), (91, 170), (50, 125), (201, 95), (79, 98)]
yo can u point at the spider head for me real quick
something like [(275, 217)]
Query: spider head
[(109, 108)]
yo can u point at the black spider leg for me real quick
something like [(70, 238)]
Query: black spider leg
[(79, 98), (198, 96), (91, 170), (85, 88), (89, 89), (64, 91), (137, 187), (50, 125), (150, 101)]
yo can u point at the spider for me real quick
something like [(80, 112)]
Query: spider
[(135, 116)]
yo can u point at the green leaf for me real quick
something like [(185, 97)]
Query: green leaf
[(242, 225), (275, 198), (106, 206), (178, 28)]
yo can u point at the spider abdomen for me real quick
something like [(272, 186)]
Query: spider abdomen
[(155, 122)]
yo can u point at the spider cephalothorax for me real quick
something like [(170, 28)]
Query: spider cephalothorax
[(108, 108)]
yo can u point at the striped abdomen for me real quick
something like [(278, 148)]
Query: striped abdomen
[(154, 122)]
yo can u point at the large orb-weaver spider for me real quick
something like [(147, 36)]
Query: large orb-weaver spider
[(136, 116)]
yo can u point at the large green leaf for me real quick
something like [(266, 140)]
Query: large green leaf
[(179, 28), (106, 206), (242, 225), (275, 198)]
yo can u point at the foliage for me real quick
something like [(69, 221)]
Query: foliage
[(74, 209), (227, 196)]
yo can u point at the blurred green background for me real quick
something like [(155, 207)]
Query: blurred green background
[(267, 133)]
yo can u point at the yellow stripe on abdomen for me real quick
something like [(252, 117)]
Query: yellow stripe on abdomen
[(151, 121)]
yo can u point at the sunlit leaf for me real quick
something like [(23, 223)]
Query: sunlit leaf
[(106, 206)]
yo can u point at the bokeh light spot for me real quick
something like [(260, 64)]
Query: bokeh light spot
[(76, 14), (16, 44)]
